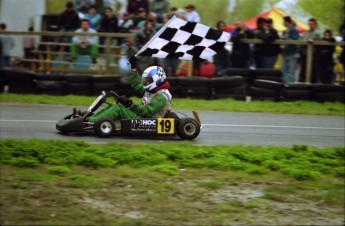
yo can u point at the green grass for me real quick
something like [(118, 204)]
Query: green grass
[(55, 182), (307, 163), (229, 105)]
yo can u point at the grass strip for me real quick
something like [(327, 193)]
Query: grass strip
[(75, 183), (229, 105), (299, 162)]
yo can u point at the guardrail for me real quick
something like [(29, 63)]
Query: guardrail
[(46, 58), (44, 63)]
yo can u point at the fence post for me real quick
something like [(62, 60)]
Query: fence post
[(189, 68), (107, 54), (309, 62)]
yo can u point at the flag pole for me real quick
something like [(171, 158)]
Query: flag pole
[(156, 35)]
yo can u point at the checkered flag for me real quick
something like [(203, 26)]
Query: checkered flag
[(185, 40)]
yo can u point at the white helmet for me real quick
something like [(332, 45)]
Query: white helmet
[(153, 77)]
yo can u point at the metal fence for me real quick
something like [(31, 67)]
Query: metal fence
[(112, 52)]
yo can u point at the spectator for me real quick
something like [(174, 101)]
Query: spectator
[(68, 21), (240, 51), (151, 16), (82, 6), (342, 33), (93, 17), (289, 52), (326, 63), (109, 23), (258, 48), (180, 13), (128, 49), (140, 19), (159, 7), (141, 39), (134, 5), (29, 45), (312, 34), (270, 51), (100, 8), (192, 15), (171, 63), (221, 59), (126, 23), (83, 44), (7, 43)]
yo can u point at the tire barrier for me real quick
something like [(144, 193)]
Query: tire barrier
[(247, 74), (195, 87), (250, 75), (327, 92), (174, 86), (265, 90), (100, 83), (19, 81), (297, 91), (267, 74), (50, 84), (232, 86), (78, 84)]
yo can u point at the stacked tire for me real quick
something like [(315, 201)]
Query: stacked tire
[(297, 91), (50, 84), (268, 74), (126, 89), (265, 90), (325, 92), (104, 83), (195, 87), (247, 74), (229, 86), (78, 84), (19, 81), (174, 86)]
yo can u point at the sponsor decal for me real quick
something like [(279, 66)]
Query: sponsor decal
[(143, 125)]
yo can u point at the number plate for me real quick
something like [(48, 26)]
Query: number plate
[(166, 126)]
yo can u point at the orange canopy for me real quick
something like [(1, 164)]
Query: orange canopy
[(277, 16)]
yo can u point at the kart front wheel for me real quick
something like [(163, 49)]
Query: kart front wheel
[(188, 128), (104, 127)]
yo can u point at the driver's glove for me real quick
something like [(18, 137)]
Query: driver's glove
[(125, 101), (133, 62)]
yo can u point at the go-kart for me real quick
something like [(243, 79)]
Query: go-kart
[(170, 124)]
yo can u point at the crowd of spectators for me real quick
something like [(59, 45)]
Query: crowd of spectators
[(145, 17)]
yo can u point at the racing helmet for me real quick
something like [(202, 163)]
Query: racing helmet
[(153, 77)]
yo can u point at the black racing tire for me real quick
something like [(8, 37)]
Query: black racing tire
[(271, 85), (296, 94), (50, 84), (227, 82), (188, 128), (104, 127), (329, 96), (299, 86), (328, 88), (262, 92), (270, 78)]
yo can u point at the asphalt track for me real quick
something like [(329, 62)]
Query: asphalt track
[(22, 121)]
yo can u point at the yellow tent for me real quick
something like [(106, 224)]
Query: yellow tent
[(277, 16)]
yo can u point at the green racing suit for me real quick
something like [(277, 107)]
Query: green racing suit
[(153, 104)]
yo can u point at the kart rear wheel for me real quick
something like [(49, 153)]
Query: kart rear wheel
[(104, 127), (188, 128)]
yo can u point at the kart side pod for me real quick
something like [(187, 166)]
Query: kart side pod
[(185, 128)]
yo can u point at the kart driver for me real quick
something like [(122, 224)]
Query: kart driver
[(155, 103)]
